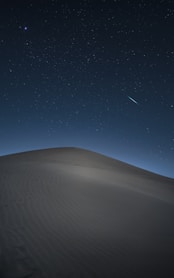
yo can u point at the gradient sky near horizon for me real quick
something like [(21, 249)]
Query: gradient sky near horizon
[(93, 74)]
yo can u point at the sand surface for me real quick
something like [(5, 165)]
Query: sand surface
[(74, 213)]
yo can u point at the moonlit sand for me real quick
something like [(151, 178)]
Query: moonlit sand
[(69, 212)]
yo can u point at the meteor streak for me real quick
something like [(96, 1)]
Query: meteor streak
[(133, 100)]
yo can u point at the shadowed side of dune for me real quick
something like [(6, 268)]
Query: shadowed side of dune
[(73, 213)]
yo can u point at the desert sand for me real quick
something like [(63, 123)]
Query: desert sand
[(70, 212)]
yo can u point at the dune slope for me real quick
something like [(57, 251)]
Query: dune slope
[(70, 212)]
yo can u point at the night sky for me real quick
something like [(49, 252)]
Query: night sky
[(92, 74)]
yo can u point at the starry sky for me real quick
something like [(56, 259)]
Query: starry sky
[(93, 74)]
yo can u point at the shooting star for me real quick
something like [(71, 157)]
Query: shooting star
[(133, 100)]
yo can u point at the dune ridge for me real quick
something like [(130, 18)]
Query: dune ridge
[(69, 212)]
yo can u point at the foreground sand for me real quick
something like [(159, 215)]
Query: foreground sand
[(74, 213)]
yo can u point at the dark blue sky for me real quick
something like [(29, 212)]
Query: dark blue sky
[(93, 74)]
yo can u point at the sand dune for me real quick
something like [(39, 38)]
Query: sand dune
[(69, 212)]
